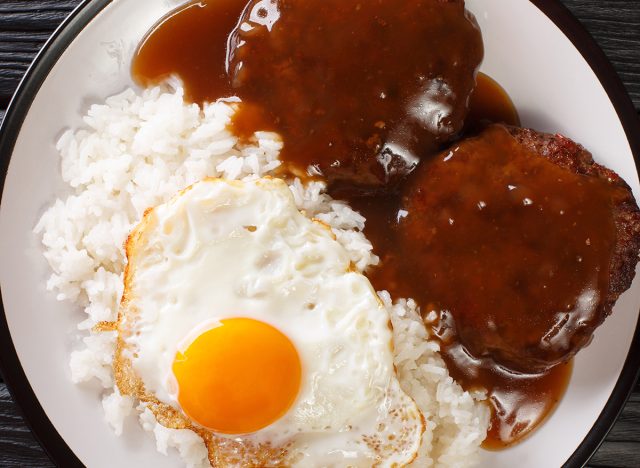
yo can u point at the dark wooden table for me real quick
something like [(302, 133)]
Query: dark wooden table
[(26, 24)]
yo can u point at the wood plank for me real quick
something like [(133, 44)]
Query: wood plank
[(616, 455), (622, 446), (627, 428), (615, 24), (17, 445), (24, 28)]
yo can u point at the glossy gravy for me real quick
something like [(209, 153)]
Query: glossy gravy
[(190, 42), (332, 77)]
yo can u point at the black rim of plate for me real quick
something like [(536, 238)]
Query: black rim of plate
[(13, 373)]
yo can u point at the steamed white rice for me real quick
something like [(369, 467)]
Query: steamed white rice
[(136, 151)]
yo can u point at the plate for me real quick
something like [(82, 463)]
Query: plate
[(557, 76)]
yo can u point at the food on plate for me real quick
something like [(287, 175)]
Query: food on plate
[(358, 91), (243, 320), (116, 172), (242, 324)]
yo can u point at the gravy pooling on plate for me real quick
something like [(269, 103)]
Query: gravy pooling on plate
[(362, 94), (489, 103), (191, 43)]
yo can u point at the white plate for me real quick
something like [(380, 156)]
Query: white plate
[(554, 87)]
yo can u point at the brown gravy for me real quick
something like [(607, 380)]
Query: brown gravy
[(489, 103), (333, 77), (192, 41)]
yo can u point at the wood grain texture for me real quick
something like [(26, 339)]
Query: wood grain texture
[(622, 446), (615, 24), (17, 445), (25, 25)]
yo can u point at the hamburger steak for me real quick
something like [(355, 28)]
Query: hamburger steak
[(520, 243), (571, 156), (359, 91)]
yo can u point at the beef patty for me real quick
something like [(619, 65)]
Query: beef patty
[(572, 157), (359, 91), (520, 243)]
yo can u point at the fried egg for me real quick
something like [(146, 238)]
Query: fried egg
[(243, 320)]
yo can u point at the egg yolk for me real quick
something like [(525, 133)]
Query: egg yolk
[(239, 377)]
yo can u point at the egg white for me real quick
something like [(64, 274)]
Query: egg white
[(225, 249)]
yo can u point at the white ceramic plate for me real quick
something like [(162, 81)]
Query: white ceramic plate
[(560, 82)]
